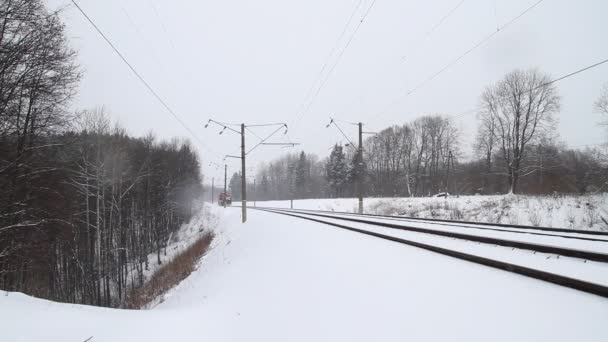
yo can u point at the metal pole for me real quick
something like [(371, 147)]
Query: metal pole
[(360, 166), (540, 155), (244, 176), (255, 193), (225, 179), (453, 170), (212, 189), (447, 181)]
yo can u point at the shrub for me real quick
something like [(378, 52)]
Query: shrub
[(535, 218), (169, 275)]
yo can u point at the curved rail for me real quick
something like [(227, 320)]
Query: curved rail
[(518, 226), (461, 224), (553, 278), (576, 253)]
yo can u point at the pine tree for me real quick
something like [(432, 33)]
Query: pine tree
[(301, 176), (264, 187), (337, 171), (356, 172), (235, 186)]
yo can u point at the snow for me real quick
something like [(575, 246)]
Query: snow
[(278, 278), (205, 218), (548, 238), (591, 271), (568, 211)]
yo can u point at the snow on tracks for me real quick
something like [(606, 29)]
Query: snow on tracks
[(572, 271)]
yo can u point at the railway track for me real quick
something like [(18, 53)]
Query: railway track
[(583, 269), (595, 250), (520, 229)]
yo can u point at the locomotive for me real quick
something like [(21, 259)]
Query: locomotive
[(225, 198)]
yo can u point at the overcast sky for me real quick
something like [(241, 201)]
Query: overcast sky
[(255, 61)]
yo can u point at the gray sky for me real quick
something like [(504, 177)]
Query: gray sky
[(255, 61)]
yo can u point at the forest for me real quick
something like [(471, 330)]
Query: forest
[(83, 204), (516, 150)]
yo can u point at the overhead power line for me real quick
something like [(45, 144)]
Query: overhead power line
[(543, 84), (440, 22), (332, 51), (337, 61), (445, 17), (480, 43), (143, 81), (162, 23), (420, 42), (460, 57), (570, 74)]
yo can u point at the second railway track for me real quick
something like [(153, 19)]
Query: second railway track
[(594, 250), (571, 274)]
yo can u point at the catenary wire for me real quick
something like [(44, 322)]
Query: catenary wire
[(143, 81), (337, 61), (594, 65), (331, 53), (418, 46), (459, 58)]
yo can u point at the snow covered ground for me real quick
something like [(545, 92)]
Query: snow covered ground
[(577, 212), (278, 278), (591, 271)]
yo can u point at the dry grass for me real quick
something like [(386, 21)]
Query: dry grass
[(170, 274)]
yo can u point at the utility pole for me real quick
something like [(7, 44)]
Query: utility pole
[(226, 126), (359, 157), (212, 189), (541, 169), (243, 177), (255, 193), (359, 168), (225, 180), (447, 182)]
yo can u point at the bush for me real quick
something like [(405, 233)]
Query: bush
[(171, 274)]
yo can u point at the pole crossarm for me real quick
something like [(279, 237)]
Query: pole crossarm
[(271, 124), (224, 125), (243, 127), (217, 166), (281, 144), (254, 134), (332, 121), (269, 136)]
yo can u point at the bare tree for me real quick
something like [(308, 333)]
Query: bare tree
[(601, 105), (486, 140), (412, 159), (522, 107), (38, 74)]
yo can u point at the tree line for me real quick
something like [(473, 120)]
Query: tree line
[(83, 205), (515, 150)]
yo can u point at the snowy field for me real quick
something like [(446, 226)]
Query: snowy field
[(277, 278), (577, 212)]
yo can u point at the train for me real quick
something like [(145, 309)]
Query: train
[(225, 198)]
